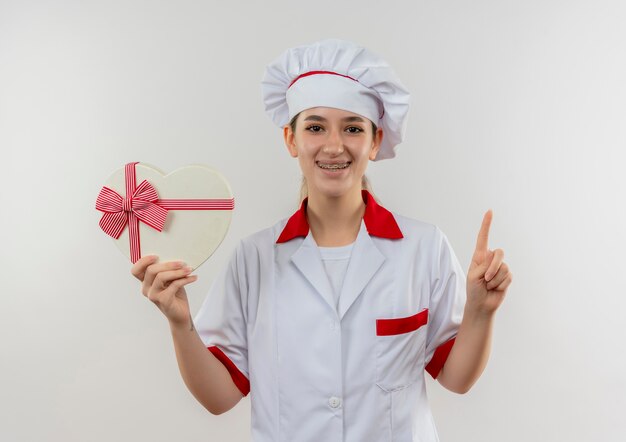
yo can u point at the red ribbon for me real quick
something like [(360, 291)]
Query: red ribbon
[(144, 205)]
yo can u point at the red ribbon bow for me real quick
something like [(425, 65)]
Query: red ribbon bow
[(118, 210), (144, 205)]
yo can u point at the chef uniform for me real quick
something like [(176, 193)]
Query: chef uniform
[(345, 364)]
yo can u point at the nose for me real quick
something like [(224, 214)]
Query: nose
[(334, 143)]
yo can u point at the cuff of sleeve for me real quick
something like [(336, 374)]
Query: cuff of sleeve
[(439, 358), (240, 379)]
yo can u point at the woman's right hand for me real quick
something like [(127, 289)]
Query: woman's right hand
[(163, 284)]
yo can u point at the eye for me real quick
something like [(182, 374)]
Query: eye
[(358, 129), (314, 128)]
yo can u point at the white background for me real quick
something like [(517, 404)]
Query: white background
[(517, 106)]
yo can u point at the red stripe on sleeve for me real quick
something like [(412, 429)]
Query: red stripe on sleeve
[(240, 379), (439, 358)]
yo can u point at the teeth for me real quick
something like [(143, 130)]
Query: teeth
[(333, 166)]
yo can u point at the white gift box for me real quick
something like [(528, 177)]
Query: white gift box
[(180, 216)]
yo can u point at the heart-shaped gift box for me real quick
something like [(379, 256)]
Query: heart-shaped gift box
[(181, 216)]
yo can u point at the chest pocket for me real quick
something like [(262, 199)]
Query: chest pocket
[(400, 345)]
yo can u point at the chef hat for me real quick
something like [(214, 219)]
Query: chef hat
[(339, 74)]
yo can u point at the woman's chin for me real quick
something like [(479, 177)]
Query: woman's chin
[(336, 190)]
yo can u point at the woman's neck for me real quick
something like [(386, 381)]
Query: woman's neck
[(335, 221)]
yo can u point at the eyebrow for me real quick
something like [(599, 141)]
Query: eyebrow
[(347, 119)]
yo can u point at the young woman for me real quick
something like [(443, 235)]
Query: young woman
[(331, 317)]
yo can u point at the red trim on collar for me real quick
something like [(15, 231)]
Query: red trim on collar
[(296, 226), (378, 221)]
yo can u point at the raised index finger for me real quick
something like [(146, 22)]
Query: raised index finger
[(483, 236)]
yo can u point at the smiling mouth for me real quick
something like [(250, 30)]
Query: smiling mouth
[(335, 166)]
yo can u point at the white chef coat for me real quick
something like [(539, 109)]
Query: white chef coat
[(349, 374)]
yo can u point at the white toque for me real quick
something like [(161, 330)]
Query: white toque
[(339, 74)]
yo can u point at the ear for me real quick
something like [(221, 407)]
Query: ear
[(378, 139), (290, 141)]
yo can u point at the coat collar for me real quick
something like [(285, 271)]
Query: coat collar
[(378, 221)]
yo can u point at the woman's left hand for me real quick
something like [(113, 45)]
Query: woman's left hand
[(488, 277)]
